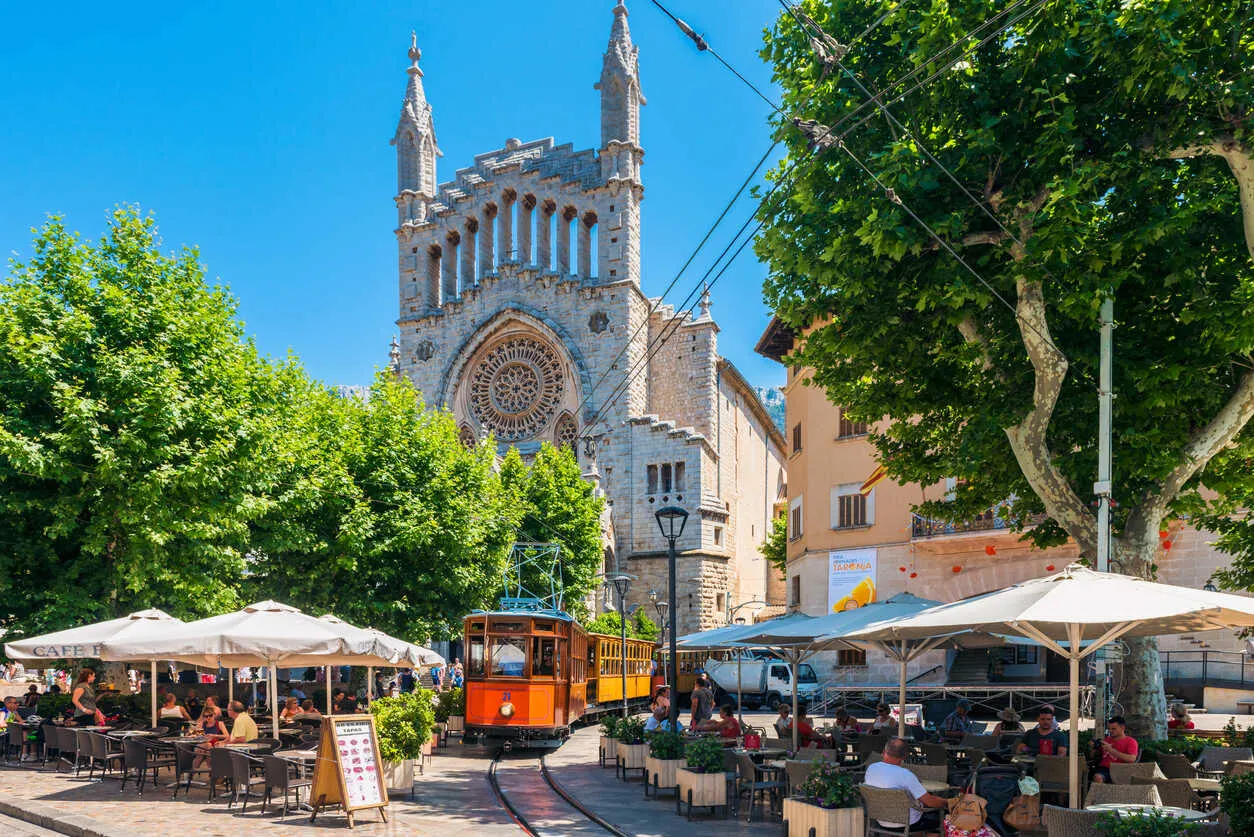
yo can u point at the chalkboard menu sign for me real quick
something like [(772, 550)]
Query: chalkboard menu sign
[(349, 770)]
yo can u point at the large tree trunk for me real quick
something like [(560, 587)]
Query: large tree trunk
[(1141, 695)]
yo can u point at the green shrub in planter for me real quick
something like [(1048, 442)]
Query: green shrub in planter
[(631, 731), (827, 787), (705, 755), (404, 724), (1236, 799), (666, 745), (451, 702), (1148, 824), (1185, 745), (609, 726), (52, 706)]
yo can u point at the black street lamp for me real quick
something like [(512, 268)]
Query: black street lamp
[(622, 583), (671, 520)]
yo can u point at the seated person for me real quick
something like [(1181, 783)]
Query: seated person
[(725, 724), (805, 731), (291, 708), (171, 711), (210, 724), (783, 722), (661, 723), (307, 708), (846, 722), (1009, 722), (1179, 718), (342, 704), (297, 692), (1044, 739), (243, 727), (883, 719), (890, 774), (32, 697), (958, 723), (1117, 746), (9, 711), (192, 702), (661, 701)]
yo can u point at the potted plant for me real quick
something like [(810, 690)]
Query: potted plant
[(666, 755), (609, 740), (701, 782), (452, 710), (1149, 823), (826, 804), (404, 725), (632, 749)]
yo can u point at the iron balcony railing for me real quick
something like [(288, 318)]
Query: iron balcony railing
[(1206, 667), (989, 520)]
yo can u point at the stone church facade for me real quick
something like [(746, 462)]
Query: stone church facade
[(520, 310)]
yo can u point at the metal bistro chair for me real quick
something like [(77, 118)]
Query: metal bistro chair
[(185, 765), (1126, 774), (1070, 822), (140, 758), (756, 786), (52, 745), (931, 772), (219, 770), (1211, 761), (246, 772), (1103, 793), (934, 753), (884, 805), (797, 772), (100, 752), (278, 774), (15, 742)]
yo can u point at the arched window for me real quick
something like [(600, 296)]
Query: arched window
[(566, 433), (587, 239), (466, 436), (569, 214), (433, 276), (487, 241)]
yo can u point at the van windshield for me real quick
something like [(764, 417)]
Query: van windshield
[(805, 674)]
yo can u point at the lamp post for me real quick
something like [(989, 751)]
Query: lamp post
[(671, 520), (622, 583)]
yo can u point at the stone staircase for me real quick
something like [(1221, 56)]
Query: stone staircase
[(970, 667)]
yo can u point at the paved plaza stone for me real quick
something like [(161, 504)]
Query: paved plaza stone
[(452, 798)]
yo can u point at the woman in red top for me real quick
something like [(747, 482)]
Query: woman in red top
[(1179, 718), (726, 723), (805, 731)]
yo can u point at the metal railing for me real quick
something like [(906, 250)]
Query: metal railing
[(1206, 667), (861, 700), (988, 520)]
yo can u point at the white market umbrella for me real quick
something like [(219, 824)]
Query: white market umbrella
[(86, 641), (401, 654), (1064, 610), (265, 633), (420, 656)]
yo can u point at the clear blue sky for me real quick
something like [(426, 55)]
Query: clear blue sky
[(259, 132)]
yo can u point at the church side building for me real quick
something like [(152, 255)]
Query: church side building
[(520, 310)]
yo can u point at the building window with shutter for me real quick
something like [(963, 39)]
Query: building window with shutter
[(851, 657), (850, 509), (849, 428), (666, 478), (796, 438), (795, 522)]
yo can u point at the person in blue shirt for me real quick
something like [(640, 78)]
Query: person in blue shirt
[(958, 723)]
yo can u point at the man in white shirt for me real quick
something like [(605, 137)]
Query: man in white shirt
[(663, 724), (890, 774)]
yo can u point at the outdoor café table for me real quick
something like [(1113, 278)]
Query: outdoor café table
[(246, 745), (302, 758), (764, 753), (1130, 810), (1205, 785)]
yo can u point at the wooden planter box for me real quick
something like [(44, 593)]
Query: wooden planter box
[(608, 754), (700, 790), (457, 723), (399, 776), (631, 757), (804, 818), (660, 774)]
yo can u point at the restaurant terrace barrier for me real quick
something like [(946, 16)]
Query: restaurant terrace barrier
[(985, 698), (1207, 668)]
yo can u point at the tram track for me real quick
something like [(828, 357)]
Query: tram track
[(549, 791)]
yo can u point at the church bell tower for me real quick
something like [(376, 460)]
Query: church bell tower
[(416, 149)]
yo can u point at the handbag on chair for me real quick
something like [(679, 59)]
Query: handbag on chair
[(967, 813)]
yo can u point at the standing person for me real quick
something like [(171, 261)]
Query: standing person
[(1117, 746), (702, 702), (1044, 739), (407, 681), (84, 699), (459, 676), (435, 678), (891, 774)]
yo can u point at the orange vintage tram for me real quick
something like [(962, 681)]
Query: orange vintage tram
[(531, 674)]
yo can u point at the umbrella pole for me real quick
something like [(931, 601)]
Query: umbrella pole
[(152, 692), (740, 692), (901, 697), (1073, 737), (230, 685), (273, 694), (369, 684), (795, 725), (328, 679)]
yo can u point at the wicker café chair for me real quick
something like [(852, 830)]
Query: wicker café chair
[(1212, 759), (1122, 774), (797, 772), (1070, 822), (1051, 773), (1175, 766), (1103, 793), (1178, 793), (931, 772), (934, 753), (885, 805)]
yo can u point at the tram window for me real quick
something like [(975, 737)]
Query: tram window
[(542, 662), (509, 627), (474, 659), (542, 627), (509, 657), (477, 627)]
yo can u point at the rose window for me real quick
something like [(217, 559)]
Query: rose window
[(516, 387)]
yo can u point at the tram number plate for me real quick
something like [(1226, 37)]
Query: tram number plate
[(505, 695)]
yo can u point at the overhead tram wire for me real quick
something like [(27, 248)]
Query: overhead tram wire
[(826, 136)]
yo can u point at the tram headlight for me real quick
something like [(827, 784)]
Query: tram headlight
[(507, 710)]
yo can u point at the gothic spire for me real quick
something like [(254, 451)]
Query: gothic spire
[(414, 139), (620, 84)]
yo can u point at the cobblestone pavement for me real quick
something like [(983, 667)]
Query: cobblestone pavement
[(452, 798)]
